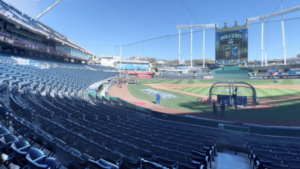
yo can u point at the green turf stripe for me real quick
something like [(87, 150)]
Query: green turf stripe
[(183, 82), (184, 89), (158, 81), (261, 92), (247, 92), (198, 81), (289, 92), (191, 82), (296, 81), (194, 90), (190, 89), (177, 82), (202, 91)]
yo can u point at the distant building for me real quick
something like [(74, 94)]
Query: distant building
[(136, 58), (117, 58), (109, 60), (160, 62)]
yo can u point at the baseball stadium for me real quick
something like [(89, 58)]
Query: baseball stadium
[(207, 97)]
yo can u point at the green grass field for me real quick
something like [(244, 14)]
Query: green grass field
[(261, 93), (286, 110), (176, 103), (253, 82)]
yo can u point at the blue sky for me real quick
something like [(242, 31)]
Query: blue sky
[(99, 27)]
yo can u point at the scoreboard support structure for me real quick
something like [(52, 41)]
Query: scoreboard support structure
[(179, 27), (262, 18)]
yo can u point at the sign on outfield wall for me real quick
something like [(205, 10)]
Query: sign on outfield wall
[(277, 77), (272, 70), (208, 77)]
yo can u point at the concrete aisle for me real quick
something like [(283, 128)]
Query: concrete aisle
[(227, 160)]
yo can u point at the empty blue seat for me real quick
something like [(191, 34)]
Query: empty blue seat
[(102, 164), (20, 150), (5, 143)]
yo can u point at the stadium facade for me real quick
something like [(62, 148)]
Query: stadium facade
[(22, 34)]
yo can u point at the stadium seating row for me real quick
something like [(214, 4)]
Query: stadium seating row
[(270, 155)]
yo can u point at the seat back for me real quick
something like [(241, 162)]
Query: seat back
[(130, 162), (159, 151), (126, 149), (112, 156), (35, 154), (97, 151), (63, 154), (112, 143), (151, 165), (143, 144), (7, 141), (20, 150)]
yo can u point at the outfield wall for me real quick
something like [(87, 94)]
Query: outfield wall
[(227, 77), (277, 77)]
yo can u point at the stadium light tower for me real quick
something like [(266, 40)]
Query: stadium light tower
[(195, 27), (48, 9), (262, 43), (120, 61), (280, 13)]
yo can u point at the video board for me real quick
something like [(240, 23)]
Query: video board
[(232, 47)]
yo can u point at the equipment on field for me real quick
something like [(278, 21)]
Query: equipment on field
[(232, 97)]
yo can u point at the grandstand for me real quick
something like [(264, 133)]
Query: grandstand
[(48, 108)]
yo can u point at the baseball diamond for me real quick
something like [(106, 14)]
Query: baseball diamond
[(277, 101)]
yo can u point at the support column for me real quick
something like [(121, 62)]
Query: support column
[(120, 60), (266, 59), (262, 43), (191, 48), (283, 39), (203, 47), (179, 48)]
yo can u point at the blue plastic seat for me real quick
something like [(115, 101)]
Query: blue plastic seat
[(97, 151), (5, 143), (79, 161), (20, 150), (102, 164), (37, 160)]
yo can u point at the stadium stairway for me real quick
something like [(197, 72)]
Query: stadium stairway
[(228, 160)]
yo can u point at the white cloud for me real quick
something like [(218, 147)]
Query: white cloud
[(26, 6)]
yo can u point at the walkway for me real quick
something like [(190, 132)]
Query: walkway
[(227, 160)]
